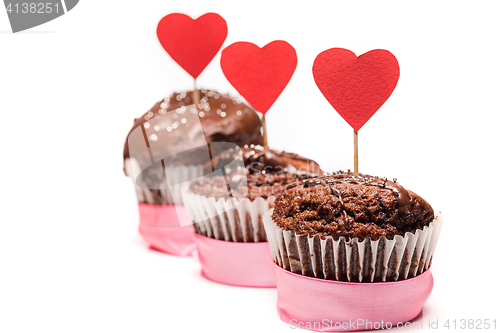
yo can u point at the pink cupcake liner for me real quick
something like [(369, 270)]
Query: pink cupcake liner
[(231, 239), (160, 225), (233, 263), (331, 306)]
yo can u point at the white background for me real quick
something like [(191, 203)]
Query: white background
[(71, 259)]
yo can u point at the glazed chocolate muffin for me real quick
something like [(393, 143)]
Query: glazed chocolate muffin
[(266, 174), (341, 205), (170, 126), (363, 229)]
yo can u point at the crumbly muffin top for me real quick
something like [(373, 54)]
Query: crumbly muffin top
[(267, 173), (341, 205)]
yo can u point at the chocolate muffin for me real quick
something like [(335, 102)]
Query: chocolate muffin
[(172, 125), (361, 229), (266, 174), (341, 205)]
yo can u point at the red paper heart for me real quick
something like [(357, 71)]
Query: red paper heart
[(259, 74), (192, 43), (356, 87)]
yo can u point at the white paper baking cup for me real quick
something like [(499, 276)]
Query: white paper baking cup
[(353, 260), (227, 218), (163, 196)]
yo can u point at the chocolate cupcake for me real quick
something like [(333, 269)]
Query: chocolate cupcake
[(230, 207), (172, 124), (363, 229), (168, 146)]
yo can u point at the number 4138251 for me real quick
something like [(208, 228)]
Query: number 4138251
[(476, 324), (33, 8)]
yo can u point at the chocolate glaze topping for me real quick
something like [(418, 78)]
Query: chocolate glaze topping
[(343, 205), (400, 193), (223, 119), (260, 160), (267, 173)]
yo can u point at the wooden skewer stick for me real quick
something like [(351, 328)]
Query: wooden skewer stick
[(196, 95), (264, 132), (356, 154), (196, 101)]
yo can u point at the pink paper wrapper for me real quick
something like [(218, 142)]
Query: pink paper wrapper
[(238, 264), (330, 306), (160, 225)]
